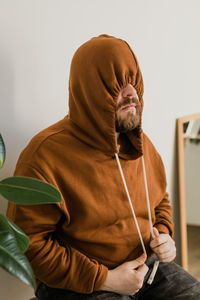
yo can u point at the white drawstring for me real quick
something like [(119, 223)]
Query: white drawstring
[(147, 199), (156, 263), (131, 205)]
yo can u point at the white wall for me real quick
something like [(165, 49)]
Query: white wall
[(37, 41)]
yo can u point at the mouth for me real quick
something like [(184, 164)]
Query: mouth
[(128, 107)]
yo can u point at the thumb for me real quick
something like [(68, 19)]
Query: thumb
[(138, 261), (156, 232)]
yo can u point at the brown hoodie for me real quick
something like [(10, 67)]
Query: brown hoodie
[(73, 244)]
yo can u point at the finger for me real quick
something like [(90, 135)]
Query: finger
[(138, 261), (170, 253), (163, 238), (154, 241), (168, 258), (142, 270), (163, 248), (156, 232)]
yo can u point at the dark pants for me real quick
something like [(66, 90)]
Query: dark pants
[(170, 282)]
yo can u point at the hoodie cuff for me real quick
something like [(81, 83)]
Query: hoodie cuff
[(163, 229), (101, 277)]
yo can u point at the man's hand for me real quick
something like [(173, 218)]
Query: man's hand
[(127, 279), (163, 246)]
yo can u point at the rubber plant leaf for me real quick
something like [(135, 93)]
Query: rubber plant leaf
[(2, 151), (28, 191), (21, 238), (13, 260)]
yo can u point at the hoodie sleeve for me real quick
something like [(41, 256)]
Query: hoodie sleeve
[(156, 176), (54, 264), (163, 212)]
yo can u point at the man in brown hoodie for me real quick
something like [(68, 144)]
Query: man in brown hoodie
[(101, 241)]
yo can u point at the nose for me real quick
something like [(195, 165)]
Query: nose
[(129, 91)]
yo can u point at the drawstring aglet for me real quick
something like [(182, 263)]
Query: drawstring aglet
[(153, 273)]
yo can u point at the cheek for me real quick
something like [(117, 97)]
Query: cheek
[(119, 99)]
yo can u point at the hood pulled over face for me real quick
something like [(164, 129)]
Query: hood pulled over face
[(100, 68)]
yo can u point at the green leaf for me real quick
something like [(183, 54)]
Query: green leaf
[(21, 238), (13, 260), (26, 190), (2, 151)]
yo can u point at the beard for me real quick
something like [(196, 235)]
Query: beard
[(132, 120)]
